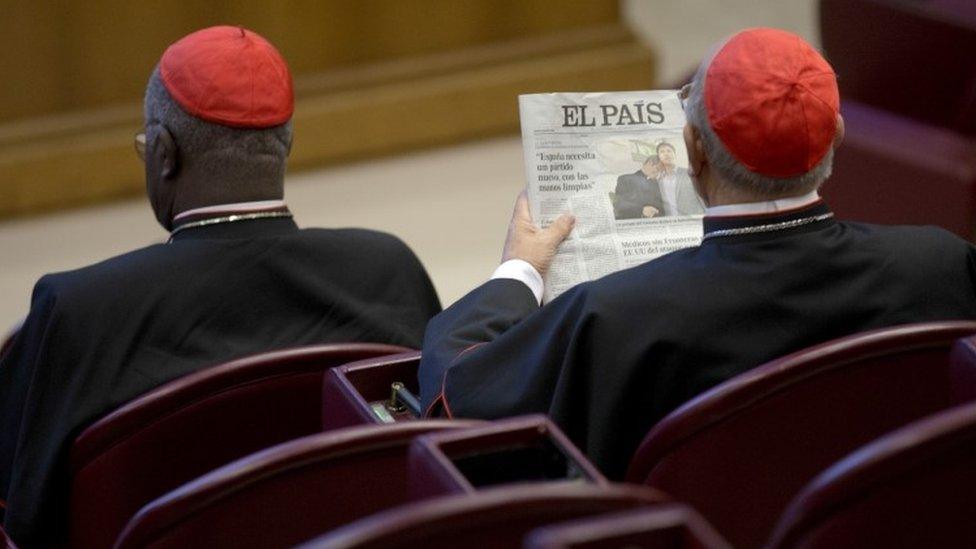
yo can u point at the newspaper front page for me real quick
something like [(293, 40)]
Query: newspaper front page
[(617, 161)]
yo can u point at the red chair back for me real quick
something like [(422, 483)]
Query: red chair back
[(911, 488), (519, 450), (739, 452), (898, 171), (5, 539), (286, 494), (350, 391), (665, 526), (500, 517), (192, 425), (903, 57), (962, 362)]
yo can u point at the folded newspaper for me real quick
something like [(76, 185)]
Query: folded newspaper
[(617, 161)]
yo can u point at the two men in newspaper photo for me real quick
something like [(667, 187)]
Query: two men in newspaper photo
[(658, 188)]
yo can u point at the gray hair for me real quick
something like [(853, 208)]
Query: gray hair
[(238, 154), (730, 170)]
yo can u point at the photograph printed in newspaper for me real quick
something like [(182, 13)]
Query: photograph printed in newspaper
[(617, 161)]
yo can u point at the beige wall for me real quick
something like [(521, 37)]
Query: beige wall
[(684, 30)]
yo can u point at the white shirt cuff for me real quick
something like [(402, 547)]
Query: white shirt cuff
[(517, 269)]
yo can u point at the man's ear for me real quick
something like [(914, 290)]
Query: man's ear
[(839, 132), (697, 162), (696, 153), (166, 154)]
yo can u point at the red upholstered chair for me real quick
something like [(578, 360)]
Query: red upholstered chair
[(963, 368), (5, 539), (739, 452), (526, 449), (499, 517), (913, 487), (286, 494), (665, 526), (905, 57), (192, 425), (357, 393), (894, 170)]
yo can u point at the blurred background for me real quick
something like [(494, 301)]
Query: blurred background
[(406, 115)]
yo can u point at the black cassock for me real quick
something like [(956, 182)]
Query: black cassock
[(609, 358), (99, 336)]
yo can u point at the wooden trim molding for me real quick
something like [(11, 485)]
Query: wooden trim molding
[(383, 108)]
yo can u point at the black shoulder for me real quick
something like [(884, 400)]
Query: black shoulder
[(354, 236), (915, 242), (923, 256), (377, 256), (105, 276), (377, 245), (679, 264), (45, 292)]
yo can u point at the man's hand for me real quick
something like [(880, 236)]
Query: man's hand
[(649, 211), (528, 242)]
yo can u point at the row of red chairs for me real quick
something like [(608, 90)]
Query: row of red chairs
[(761, 436), (909, 488), (409, 473), (909, 158), (740, 452), (193, 425)]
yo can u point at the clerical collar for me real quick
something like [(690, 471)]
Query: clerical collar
[(229, 209), (757, 222), (764, 207), (228, 213)]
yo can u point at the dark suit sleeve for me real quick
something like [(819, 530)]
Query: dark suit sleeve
[(625, 202), (630, 199), (415, 300), (495, 353), (26, 409)]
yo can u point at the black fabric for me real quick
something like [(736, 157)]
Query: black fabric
[(609, 358), (634, 191), (99, 336)]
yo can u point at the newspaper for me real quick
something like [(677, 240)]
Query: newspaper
[(605, 158)]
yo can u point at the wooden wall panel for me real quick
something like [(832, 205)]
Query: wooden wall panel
[(31, 62), (372, 77), (60, 56)]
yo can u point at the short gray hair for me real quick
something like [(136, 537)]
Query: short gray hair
[(733, 172), (236, 153)]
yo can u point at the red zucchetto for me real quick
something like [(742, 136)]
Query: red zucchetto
[(773, 101), (229, 76)]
